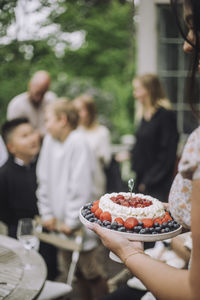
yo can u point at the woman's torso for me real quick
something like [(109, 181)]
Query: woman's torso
[(188, 169)]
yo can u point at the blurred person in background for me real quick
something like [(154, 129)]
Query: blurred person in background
[(153, 156), (17, 175), (98, 137), (18, 183), (65, 174), (31, 104)]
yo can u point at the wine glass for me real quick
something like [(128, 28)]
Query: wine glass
[(26, 230)]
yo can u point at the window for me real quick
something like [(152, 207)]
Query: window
[(172, 64)]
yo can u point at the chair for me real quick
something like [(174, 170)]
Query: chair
[(51, 289)]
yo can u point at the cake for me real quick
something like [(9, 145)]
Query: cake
[(126, 205), (129, 212)]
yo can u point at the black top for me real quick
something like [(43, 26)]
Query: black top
[(154, 153), (18, 200), (17, 192)]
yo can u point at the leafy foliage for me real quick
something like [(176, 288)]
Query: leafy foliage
[(6, 14), (103, 63)]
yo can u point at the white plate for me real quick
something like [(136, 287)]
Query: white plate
[(137, 236)]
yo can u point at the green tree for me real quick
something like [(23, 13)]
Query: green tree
[(103, 64), (107, 54)]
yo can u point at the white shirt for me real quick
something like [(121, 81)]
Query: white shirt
[(21, 106), (99, 142), (65, 179)]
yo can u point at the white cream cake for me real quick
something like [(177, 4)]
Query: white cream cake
[(125, 205)]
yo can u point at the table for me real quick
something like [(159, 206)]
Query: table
[(17, 283)]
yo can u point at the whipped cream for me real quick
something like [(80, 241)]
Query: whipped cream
[(153, 211)]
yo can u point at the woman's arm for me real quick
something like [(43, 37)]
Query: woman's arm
[(164, 281), (195, 221)]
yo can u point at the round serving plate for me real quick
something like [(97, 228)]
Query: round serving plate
[(136, 236)]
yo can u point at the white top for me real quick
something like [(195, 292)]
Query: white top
[(99, 141), (188, 170), (65, 180), (3, 152), (21, 106)]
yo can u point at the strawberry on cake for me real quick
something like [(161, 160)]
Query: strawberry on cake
[(127, 212), (125, 205)]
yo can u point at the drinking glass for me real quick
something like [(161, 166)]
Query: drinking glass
[(26, 230)]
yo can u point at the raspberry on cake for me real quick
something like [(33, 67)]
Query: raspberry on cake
[(130, 209)]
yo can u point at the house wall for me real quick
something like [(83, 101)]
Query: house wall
[(146, 36)]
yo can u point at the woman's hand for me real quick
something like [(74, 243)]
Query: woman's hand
[(118, 244), (65, 229), (50, 224)]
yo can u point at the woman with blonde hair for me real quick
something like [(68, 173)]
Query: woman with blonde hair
[(154, 153), (98, 137), (154, 91)]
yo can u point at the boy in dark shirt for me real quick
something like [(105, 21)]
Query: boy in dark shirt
[(18, 181)]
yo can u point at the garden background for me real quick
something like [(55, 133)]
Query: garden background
[(86, 46)]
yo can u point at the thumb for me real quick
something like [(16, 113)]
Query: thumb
[(93, 226)]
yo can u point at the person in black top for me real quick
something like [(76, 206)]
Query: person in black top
[(17, 175), (18, 182), (153, 156)]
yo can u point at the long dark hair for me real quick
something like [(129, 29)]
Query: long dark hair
[(191, 84)]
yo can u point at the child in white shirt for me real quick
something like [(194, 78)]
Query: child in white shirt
[(65, 174)]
